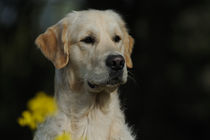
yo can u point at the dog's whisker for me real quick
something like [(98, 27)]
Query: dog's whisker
[(130, 73), (131, 76), (133, 79)]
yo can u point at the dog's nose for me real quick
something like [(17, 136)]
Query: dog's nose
[(115, 62)]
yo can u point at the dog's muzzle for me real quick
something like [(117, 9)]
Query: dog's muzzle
[(115, 65)]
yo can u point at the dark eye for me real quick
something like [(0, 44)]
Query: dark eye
[(117, 38), (89, 40)]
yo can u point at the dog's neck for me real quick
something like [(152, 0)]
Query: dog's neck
[(73, 98)]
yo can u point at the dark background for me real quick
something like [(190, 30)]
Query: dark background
[(168, 96)]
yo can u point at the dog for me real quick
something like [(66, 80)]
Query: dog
[(91, 51)]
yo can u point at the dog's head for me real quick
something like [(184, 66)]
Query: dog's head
[(94, 43)]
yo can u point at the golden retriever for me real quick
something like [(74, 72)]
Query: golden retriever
[(90, 50)]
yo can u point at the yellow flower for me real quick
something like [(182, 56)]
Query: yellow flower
[(38, 108), (64, 136)]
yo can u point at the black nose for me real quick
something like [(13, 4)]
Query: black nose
[(115, 62)]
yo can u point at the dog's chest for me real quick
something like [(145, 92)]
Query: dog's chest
[(94, 126)]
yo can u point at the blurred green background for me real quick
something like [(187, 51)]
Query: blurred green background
[(170, 96)]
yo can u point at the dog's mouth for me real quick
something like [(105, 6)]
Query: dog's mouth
[(113, 81), (91, 85), (109, 83)]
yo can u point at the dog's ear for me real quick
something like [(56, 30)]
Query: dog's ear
[(129, 42), (54, 44)]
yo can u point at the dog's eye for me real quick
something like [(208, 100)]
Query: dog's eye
[(117, 38), (89, 40)]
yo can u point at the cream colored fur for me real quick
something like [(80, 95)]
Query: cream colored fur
[(85, 112)]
